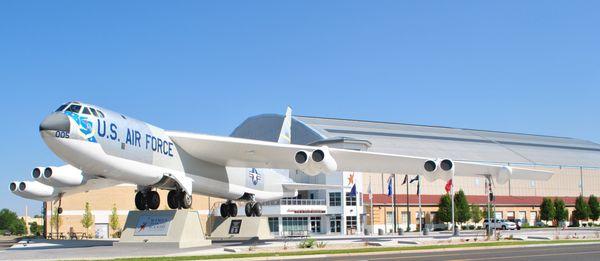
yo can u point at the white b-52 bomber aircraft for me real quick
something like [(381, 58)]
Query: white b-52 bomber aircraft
[(104, 148)]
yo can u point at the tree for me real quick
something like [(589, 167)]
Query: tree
[(594, 207), (561, 213), (8, 220), (476, 214), (462, 211), (444, 213), (35, 229), (114, 219), (582, 210), (19, 228), (87, 220), (547, 210)]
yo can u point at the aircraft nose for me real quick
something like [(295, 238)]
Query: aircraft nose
[(56, 122)]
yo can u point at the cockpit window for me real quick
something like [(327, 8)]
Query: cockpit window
[(101, 114), (86, 111), (62, 107), (94, 111), (74, 108)]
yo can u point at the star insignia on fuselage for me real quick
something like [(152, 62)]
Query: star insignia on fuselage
[(254, 176)]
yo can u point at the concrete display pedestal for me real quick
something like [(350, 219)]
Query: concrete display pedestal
[(241, 228), (176, 228)]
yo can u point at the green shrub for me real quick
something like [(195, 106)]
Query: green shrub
[(307, 243)]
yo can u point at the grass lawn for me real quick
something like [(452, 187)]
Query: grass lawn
[(364, 250)]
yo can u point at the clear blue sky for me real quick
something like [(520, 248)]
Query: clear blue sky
[(523, 66)]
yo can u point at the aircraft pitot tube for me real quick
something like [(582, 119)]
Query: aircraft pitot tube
[(439, 169), (64, 176), (318, 161)]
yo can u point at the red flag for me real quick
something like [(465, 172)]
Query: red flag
[(448, 186)]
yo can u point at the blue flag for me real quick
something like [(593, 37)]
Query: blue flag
[(389, 192), (353, 190)]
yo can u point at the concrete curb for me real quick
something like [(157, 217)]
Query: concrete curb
[(320, 256)]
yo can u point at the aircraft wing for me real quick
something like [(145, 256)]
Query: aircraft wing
[(237, 152), (464, 168)]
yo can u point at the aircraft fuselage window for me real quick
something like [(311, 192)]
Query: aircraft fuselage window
[(86, 111), (101, 114), (94, 111), (62, 107), (74, 108)]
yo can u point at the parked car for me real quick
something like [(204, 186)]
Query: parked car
[(6, 233), (500, 224), (519, 222)]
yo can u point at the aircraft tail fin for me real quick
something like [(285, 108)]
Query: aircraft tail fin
[(285, 136)]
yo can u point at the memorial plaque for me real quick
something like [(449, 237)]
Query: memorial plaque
[(235, 226)]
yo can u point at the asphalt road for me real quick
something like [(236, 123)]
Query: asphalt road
[(542, 253), (6, 242)]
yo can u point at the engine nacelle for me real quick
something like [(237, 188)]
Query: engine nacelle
[(439, 169), (13, 186), (313, 163), (447, 169), (322, 161), (33, 189), (504, 174), (65, 176), (303, 162)]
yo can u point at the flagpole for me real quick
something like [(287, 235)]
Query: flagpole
[(420, 211), (407, 206), (394, 201), (371, 199), (452, 199)]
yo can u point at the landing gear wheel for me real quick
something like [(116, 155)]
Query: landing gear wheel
[(59, 210), (249, 209), (233, 210), (224, 210), (257, 209), (153, 199), (172, 200), (185, 200), (140, 201)]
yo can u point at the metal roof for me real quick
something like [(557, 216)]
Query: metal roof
[(432, 141)]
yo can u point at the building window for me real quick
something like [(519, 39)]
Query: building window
[(351, 222), (335, 224), (274, 224), (295, 223), (389, 217), (315, 224), (350, 199), (335, 199), (404, 217)]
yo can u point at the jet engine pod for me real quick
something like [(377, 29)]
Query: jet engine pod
[(303, 162), (13, 186), (301, 158), (37, 172), (447, 169), (503, 174), (322, 161), (431, 170), (64, 176), (35, 189)]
